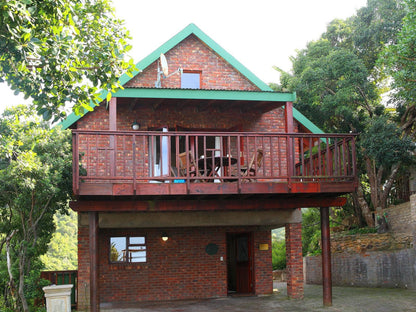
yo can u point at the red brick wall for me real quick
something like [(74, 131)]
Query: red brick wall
[(189, 117), (177, 269), (294, 260), (192, 54), (83, 267), (263, 269)]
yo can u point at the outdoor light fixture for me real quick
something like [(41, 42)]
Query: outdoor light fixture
[(135, 125), (165, 236)]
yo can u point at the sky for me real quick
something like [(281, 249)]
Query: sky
[(259, 34)]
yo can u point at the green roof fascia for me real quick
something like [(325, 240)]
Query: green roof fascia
[(306, 122), (201, 94)]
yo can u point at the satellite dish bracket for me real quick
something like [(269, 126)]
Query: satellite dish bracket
[(162, 70)]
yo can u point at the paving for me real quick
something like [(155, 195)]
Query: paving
[(345, 299)]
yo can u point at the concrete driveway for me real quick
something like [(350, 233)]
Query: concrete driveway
[(345, 299)]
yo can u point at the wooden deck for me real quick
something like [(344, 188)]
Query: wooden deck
[(130, 163)]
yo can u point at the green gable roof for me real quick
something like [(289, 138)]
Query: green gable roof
[(266, 92)]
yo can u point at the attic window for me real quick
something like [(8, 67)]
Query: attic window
[(191, 80)]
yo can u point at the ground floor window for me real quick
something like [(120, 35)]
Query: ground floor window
[(127, 249)]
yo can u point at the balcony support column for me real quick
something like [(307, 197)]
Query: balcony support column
[(112, 114), (289, 117), (326, 257), (290, 151), (93, 244)]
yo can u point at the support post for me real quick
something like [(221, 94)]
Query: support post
[(326, 257), (289, 129), (294, 260), (112, 118), (289, 117), (93, 243)]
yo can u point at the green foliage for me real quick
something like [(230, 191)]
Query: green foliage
[(278, 250), (35, 170), (399, 60), (363, 230), (62, 249), (375, 26), (311, 232), (383, 143), (62, 52), (332, 87), (338, 84)]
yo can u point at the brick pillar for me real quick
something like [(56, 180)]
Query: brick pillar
[(294, 260), (83, 263)]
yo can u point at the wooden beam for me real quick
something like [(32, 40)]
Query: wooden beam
[(289, 117), (290, 147), (112, 118), (204, 205), (326, 257), (93, 250)]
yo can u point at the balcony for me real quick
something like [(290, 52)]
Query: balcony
[(138, 163)]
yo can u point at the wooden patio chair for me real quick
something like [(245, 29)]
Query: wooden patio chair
[(253, 166), (183, 168)]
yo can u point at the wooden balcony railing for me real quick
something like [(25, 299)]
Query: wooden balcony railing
[(136, 158)]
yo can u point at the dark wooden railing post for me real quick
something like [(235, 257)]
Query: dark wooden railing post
[(326, 257), (134, 164)]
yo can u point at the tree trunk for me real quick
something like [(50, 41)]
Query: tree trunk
[(9, 270), (373, 180), (365, 209), (22, 262), (357, 209), (388, 185)]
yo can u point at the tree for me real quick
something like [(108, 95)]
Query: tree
[(35, 170), (375, 26), (311, 232), (384, 150), (332, 87), (61, 52), (337, 86), (278, 249), (62, 249), (400, 62)]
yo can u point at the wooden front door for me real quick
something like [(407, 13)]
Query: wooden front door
[(239, 262)]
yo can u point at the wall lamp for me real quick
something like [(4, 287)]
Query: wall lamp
[(165, 236), (135, 125)]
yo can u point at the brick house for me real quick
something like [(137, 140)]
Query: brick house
[(184, 174)]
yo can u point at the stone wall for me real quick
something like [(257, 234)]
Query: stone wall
[(370, 269), (373, 260), (401, 218)]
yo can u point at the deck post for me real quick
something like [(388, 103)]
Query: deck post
[(289, 117), (289, 129), (93, 243), (326, 257)]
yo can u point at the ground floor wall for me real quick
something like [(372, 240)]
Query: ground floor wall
[(369, 269), (180, 268)]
